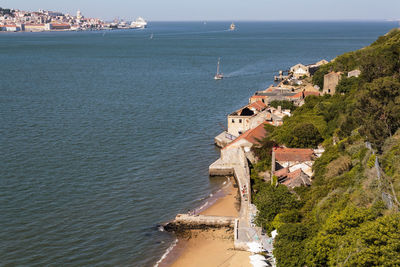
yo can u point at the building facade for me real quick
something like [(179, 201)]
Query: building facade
[(331, 80)]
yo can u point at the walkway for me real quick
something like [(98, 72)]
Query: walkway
[(233, 161)]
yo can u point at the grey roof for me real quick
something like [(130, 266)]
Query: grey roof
[(275, 93)]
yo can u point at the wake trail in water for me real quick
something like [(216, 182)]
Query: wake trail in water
[(188, 33), (251, 69)]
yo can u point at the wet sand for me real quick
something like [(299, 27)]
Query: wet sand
[(214, 247), (227, 205)]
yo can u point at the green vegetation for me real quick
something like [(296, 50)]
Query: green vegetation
[(284, 104), (347, 85), (272, 200), (349, 216)]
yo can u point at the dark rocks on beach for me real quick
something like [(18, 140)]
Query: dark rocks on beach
[(183, 227)]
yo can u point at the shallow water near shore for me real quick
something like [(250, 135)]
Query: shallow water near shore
[(106, 134)]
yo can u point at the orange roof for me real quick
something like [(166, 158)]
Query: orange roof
[(306, 93), (298, 95), (295, 179), (294, 174), (252, 135), (259, 105), (259, 96), (60, 24), (293, 154), (9, 26), (282, 172)]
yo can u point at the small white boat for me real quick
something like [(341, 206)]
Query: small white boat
[(232, 27), (218, 75)]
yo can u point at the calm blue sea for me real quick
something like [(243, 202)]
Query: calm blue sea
[(105, 134)]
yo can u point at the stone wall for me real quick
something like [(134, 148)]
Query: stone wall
[(331, 80)]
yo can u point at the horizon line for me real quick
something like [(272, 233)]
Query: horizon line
[(280, 20)]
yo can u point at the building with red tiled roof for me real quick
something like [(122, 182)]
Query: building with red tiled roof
[(292, 166), (302, 95), (250, 138), (281, 173), (296, 179), (256, 98), (258, 105), (246, 118), (35, 27), (10, 28), (293, 154)]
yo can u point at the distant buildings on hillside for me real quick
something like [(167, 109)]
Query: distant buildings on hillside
[(44, 20)]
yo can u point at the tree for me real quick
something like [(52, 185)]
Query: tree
[(348, 84), (270, 201), (264, 151), (289, 245), (318, 77), (284, 104), (379, 109), (322, 249), (306, 136), (375, 243), (380, 62)]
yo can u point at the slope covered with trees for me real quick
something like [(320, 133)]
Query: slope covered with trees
[(349, 215)]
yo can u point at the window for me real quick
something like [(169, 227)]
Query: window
[(233, 121), (240, 120)]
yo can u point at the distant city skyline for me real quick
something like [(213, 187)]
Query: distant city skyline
[(227, 10)]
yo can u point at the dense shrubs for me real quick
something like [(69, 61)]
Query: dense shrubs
[(341, 220), (284, 104), (272, 200), (305, 135)]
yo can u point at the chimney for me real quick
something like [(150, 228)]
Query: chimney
[(279, 109)]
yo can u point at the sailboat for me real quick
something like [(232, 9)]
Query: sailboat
[(218, 75), (232, 27)]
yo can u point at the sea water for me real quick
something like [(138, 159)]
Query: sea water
[(106, 134)]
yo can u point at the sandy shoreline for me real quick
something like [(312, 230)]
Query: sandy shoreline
[(213, 247)]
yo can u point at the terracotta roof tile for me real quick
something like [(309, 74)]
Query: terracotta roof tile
[(297, 178), (259, 105), (293, 154), (306, 93), (60, 24), (282, 172), (252, 135), (258, 96), (295, 174)]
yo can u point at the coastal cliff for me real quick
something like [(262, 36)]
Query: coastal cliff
[(349, 215)]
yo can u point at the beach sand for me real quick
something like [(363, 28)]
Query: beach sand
[(214, 247), (227, 205)]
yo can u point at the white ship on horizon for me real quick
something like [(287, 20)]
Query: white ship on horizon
[(139, 23)]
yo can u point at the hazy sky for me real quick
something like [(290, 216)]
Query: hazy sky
[(220, 9)]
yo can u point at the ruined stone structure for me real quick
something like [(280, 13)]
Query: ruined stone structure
[(331, 80), (354, 73)]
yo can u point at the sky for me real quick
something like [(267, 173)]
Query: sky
[(226, 10)]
